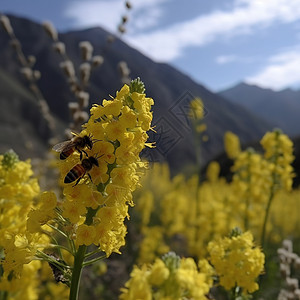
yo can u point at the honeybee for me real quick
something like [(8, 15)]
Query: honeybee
[(77, 143), (79, 170)]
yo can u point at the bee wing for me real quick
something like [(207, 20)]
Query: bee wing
[(63, 146)]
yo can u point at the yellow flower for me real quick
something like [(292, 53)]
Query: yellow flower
[(213, 171), (85, 235), (232, 145), (137, 287), (237, 261), (168, 278), (73, 210), (159, 273), (196, 109), (279, 151)]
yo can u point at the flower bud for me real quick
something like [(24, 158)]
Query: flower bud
[(10, 158), (59, 47), (31, 60), (80, 116), (68, 67), (44, 106), (85, 72), (27, 73), (73, 107), (284, 270), (110, 39), (128, 5), (97, 60), (5, 22), (36, 74), (121, 29), (124, 19), (297, 263), (292, 283), (288, 245), (83, 98), (123, 69), (15, 44), (50, 30), (86, 49)]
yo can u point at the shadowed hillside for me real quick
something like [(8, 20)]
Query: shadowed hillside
[(281, 108), (171, 90)]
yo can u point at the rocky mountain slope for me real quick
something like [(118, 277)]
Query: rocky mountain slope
[(171, 89)]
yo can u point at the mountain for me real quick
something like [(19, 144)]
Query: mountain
[(281, 108), (171, 90)]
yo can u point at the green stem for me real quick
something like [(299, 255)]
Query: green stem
[(90, 262), (248, 181), (76, 274), (234, 293), (59, 248), (58, 230), (91, 253), (263, 235), (43, 256), (246, 220), (79, 259), (273, 188), (3, 295), (197, 140)]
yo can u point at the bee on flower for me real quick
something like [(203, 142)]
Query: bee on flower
[(108, 174)]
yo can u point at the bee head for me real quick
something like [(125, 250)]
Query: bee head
[(94, 161), (88, 141)]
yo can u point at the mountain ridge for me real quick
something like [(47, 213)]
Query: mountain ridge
[(282, 108), (171, 90)]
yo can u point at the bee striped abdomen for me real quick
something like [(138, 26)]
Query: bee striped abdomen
[(65, 154), (75, 173)]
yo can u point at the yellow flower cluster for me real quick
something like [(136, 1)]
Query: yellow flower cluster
[(251, 185), (196, 114), (237, 261), (118, 132), (98, 184), (285, 215), (169, 278), (232, 144), (279, 152), (210, 214), (181, 215), (17, 191), (196, 109)]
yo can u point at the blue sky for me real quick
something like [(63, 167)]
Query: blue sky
[(217, 42)]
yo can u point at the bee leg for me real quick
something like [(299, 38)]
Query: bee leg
[(84, 153), (77, 181), (80, 153), (90, 177)]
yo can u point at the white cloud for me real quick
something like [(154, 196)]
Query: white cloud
[(107, 13), (142, 21), (225, 59), (95, 13), (282, 71), (244, 17)]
